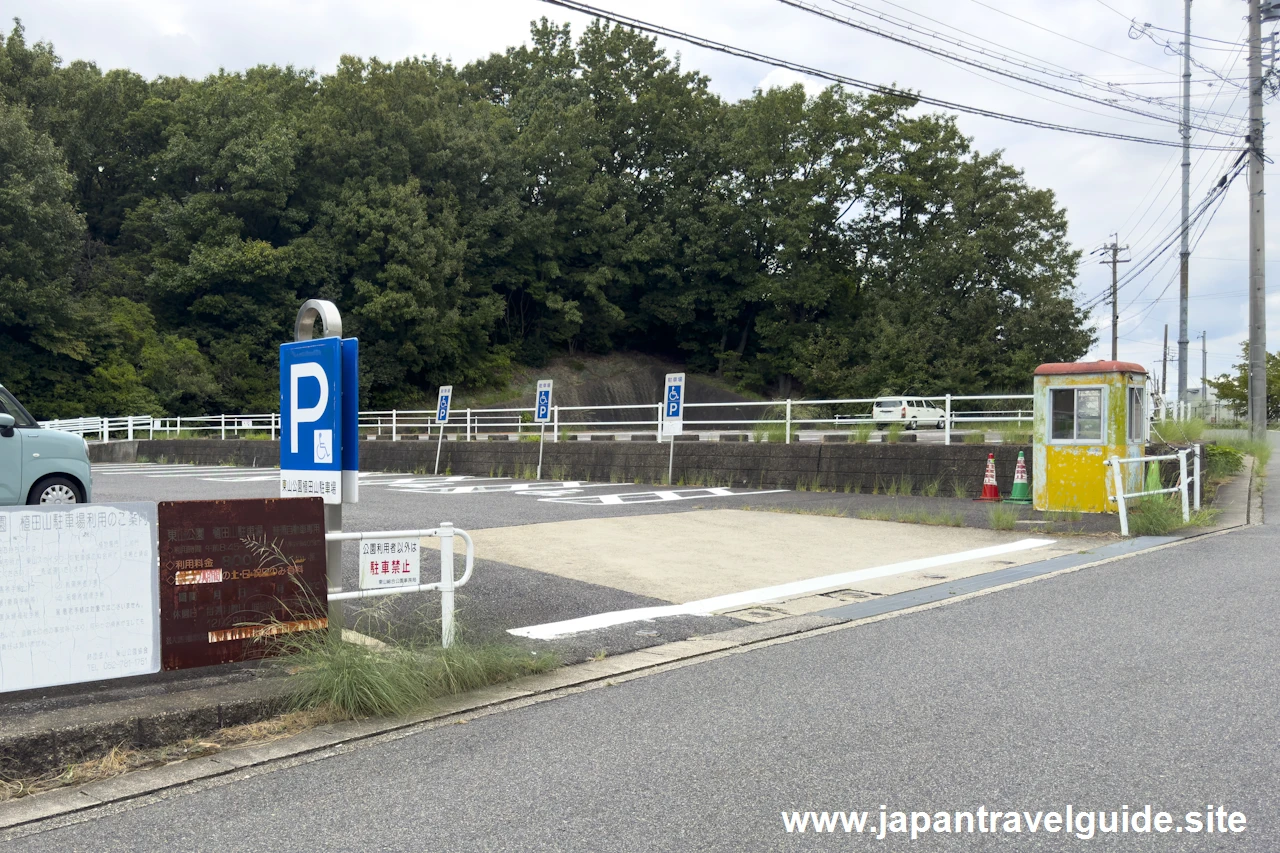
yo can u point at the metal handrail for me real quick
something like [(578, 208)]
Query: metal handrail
[(1120, 498), (446, 585)]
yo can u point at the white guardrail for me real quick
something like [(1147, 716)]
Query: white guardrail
[(1116, 464), (446, 586), (959, 412)]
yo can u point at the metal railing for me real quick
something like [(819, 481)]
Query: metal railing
[(446, 585), (957, 412), (1116, 464)]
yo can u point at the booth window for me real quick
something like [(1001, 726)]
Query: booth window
[(1076, 414), (1137, 414)]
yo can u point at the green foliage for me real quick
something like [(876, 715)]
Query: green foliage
[(1179, 432), (357, 680), (1222, 461), (975, 437), (1233, 389), (862, 433), (565, 196)]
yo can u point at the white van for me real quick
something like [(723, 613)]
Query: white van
[(911, 411)]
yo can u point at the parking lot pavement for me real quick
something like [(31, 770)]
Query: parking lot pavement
[(551, 552)]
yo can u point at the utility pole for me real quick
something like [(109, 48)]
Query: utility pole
[(1115, 249), (1185, 266), (1257, 221), (1204, 369), (1164, 365)]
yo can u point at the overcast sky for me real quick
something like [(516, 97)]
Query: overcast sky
[(1106, 186)]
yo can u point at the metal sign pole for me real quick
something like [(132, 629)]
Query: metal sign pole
[(439, 443), (542, 437), (671, 461), (304, 330)]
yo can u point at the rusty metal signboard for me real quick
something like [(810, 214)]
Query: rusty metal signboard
[(233, 573)]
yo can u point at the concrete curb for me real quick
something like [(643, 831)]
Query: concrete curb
[(335, 738)]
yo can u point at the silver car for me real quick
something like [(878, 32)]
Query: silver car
[(37, 465)]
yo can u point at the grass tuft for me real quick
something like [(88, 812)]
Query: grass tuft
[(1003, 517)]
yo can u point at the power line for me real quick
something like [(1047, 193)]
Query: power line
[(1214, 195), (743, 53), (1068, 38), (1036, 65), (862, 26)]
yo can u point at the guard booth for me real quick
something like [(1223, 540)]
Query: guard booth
[(1086, 412)]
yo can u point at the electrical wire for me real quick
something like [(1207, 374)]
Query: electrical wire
[(743, 53), (1067, 37), (862, 26)]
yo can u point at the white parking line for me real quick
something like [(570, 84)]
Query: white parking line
[(656, 497), (531, 487), (738, 600)]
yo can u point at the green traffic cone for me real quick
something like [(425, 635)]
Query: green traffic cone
[(1021, 493)]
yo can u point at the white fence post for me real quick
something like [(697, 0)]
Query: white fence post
[(446, 584), (102, 428), (1182, 469), (129, 422), (1114, 462), (394, 435), (151, 427), (1197, 470), (788, 420), (222, 424), (468, 424), (946, 436)]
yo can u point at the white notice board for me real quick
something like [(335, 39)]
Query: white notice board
[(79, 594), (389, 562)]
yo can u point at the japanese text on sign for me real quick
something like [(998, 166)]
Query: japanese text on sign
[(389, 562), (79, 595)]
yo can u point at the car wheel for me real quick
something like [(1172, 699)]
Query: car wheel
[(942, 423), (55, 490), (913, 425)]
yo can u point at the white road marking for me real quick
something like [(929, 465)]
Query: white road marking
[(738, 600), (657, 497), (530, 487)]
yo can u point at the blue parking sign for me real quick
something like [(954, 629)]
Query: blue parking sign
[(442, 407), (542, 408), (311, 429), (673, 405)]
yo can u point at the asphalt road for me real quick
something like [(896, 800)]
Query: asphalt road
[(1149, 680)]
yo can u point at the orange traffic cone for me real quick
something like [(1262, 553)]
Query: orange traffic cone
[(989, 490)]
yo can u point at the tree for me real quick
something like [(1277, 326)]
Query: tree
[(1234, 390)]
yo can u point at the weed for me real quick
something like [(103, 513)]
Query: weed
[(862, 433), (975, 438), (1018, 434), (915, 516), (1156, 515), (931, 488), (905, 485), (350, 680), (1179, 432), (448, 470), (1003, 517), (894, 434), (600, 655), (501, 470), (772, 433), (875, 485)]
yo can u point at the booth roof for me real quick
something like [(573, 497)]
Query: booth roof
[(1059, 369)]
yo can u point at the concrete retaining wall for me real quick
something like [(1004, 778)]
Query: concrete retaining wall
[(806, 465)]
